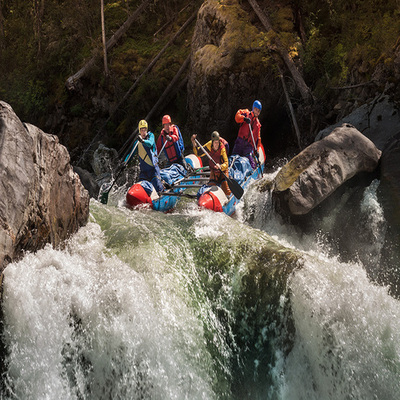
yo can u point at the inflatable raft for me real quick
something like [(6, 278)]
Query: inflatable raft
[(214, 198), (143, 194), (176, 178)]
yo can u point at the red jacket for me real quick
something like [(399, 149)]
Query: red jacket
[(244, 131), (170, 148)]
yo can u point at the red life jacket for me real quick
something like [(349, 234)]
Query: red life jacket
[(244, 130), (170, 148), (216, 156)]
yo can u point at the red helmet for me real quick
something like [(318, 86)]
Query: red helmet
[(166, 119)]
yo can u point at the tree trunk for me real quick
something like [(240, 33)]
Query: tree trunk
[(298, 79), (152, 63), (72, 80), (148, 68), (1, 27), (292, 114), (38, 12), (173, 85), (103, 31)]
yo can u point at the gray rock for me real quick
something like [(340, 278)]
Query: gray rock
[(41, 199), (378, 120), (88, 181), (322, 167)]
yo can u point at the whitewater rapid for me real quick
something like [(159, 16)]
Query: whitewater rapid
[(145, 305)]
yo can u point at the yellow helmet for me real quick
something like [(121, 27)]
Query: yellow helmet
[(143, 124)]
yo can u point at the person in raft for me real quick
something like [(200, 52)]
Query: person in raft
[(174, 148), (244, 144), (217, 150), (148, 161)]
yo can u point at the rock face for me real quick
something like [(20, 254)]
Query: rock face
[(322, 167), (227, 71), (378, 120), (41, 199)]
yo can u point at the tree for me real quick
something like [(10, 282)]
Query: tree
[(1, 27), (103, 31), (38, 12), (284, 54)]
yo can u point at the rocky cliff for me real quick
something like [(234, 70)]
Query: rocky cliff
[(41, 199)]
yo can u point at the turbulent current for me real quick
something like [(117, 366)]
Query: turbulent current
[(198, 305)]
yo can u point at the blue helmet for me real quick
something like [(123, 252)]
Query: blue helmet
[(257, 104)]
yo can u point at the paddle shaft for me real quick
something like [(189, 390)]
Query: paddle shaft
[(162, 148), (254, 144)]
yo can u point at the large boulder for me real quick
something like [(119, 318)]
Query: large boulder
[(227, 71), (41, 199), (321, 168)]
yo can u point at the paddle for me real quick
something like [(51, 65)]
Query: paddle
[(104, 195), (236, 189), (255, 148), (162, 148)]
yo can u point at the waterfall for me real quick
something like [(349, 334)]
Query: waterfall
[(197, 305)]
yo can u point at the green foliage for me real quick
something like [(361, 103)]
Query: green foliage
[(348, 36), (77, 110)]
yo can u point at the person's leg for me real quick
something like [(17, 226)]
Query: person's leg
[(225, 187), (156, 182), (238, 147), (252, 161), (213, 178)]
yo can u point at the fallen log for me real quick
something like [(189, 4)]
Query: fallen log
[(284, 54), (135, 84), (161, 100), (72, 80)]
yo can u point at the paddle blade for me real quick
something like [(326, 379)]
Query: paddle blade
[(236, 189), (104, 197), (105, 191)]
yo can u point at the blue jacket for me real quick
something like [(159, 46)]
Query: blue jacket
[(147, 153)]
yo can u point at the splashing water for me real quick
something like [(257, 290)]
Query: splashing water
[(197, 305)]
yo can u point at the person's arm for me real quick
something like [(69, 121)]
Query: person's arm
[(196, 149), (149, 142), (240, 115), (257, 133), (174, 133), (224, 158)]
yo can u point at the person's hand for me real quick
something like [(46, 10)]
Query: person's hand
[(140, 139), (218, 166), (169, 138), (193, 138), (247, 120)]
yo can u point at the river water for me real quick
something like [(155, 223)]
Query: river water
[(197, 305)]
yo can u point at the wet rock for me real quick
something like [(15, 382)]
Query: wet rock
[(316, 172), (41, 199), (389, 198), (88, 181), (378, 120)]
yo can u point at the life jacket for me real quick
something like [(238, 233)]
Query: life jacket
[(173, 150), (244, 130), (216, 156), (226, 144)]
